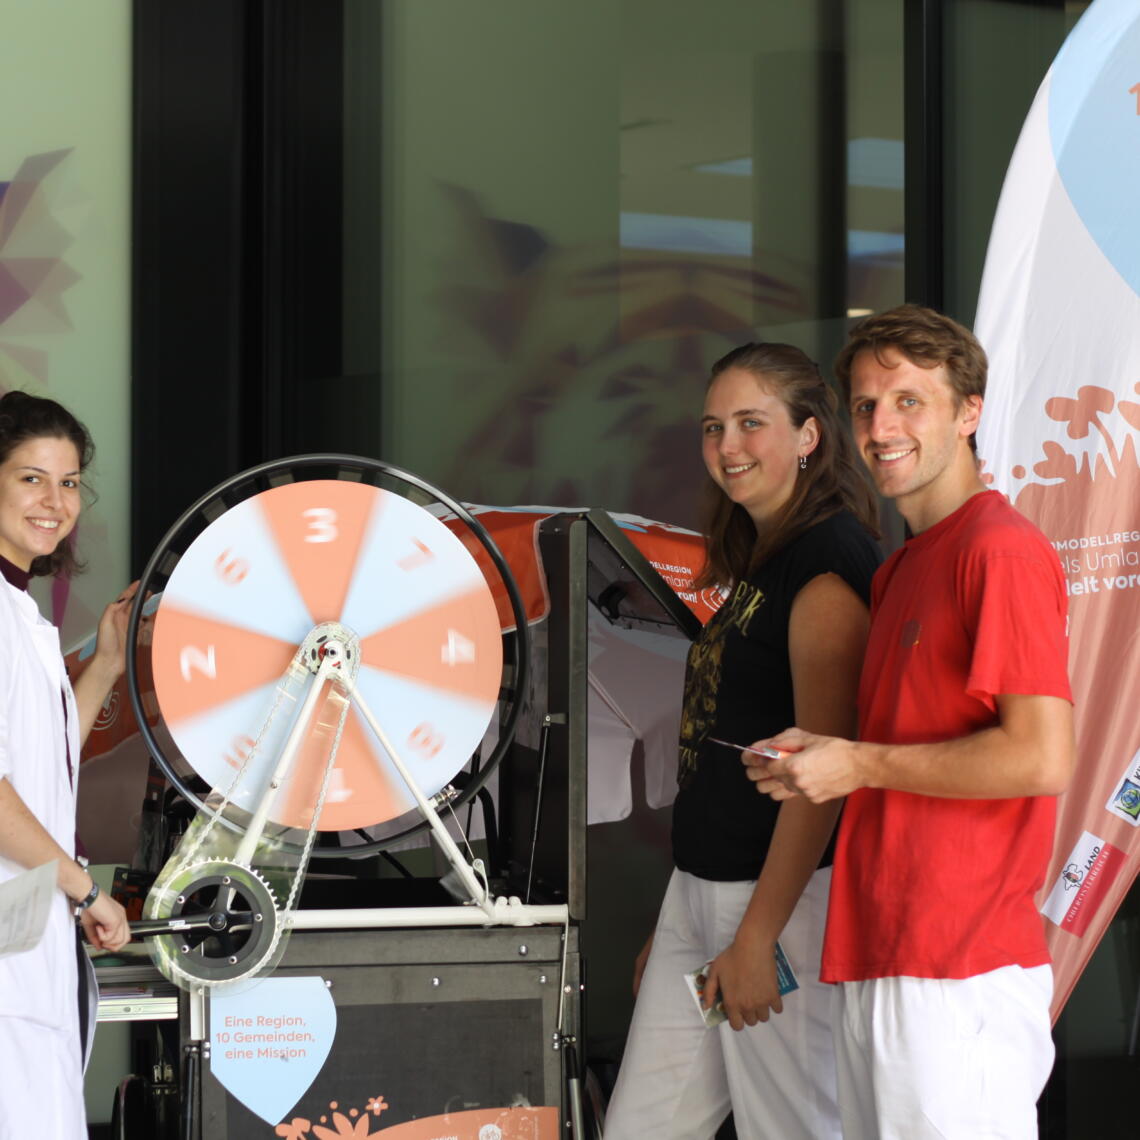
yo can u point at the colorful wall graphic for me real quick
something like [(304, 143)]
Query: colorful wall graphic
[(65, 175)]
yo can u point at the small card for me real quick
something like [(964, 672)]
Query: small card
[(696, 979), (784, 974)]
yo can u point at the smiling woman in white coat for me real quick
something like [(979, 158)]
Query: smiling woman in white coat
[(44, 451)]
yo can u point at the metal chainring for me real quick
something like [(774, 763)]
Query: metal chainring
[(245, 923)]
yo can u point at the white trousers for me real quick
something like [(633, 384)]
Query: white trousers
[(933, 1059), (678, 1079)]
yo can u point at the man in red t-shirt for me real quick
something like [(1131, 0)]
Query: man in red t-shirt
[(965, 738)]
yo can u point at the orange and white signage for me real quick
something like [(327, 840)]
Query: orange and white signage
[(1059, 316)]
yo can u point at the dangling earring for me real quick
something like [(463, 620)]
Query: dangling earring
[(803, 462)]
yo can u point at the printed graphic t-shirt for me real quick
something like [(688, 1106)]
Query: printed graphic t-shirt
[(738, 687)]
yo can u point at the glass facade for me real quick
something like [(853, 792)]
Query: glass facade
[(583, 209)]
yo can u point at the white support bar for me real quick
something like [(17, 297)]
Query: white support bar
[(503, 912), (256, 826), (477, 891), (197, 1006)]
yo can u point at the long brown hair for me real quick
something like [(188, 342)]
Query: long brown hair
[(832, 481)]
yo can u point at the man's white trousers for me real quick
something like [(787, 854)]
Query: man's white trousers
[(933, 1059)]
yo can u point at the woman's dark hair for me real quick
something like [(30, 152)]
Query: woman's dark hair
[(24, 417), (832, 481)]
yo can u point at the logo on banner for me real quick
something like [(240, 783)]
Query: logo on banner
[(1072, 876), (1089, 871), (713, 597), (1124, 803)]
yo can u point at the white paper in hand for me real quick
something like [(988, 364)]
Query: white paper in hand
[(24, 905)]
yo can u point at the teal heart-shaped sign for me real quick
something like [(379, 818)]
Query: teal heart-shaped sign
[(269, 1042)]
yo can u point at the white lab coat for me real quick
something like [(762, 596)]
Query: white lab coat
[(41, 1083)]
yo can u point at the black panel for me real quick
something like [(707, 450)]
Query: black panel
[(191, 259), (237, 240), (923, 95)]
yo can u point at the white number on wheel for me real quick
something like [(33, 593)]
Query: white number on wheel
[(424, 738), (459, 650), (322, 524), (239, 751), (232, 571), (339, 791), (422, 556), (192, 657)]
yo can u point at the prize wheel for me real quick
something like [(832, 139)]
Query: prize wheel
[(264, 563)]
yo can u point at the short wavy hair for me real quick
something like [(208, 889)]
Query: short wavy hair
[(924, 337)]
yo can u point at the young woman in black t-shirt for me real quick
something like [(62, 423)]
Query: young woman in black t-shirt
[(791, 539)]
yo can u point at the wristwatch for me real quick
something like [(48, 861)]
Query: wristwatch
[(83, 903)]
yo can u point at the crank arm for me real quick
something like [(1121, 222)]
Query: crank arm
[(149, 927)]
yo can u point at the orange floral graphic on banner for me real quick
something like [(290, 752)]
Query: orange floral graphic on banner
[(1070, 504), (524, 1123)]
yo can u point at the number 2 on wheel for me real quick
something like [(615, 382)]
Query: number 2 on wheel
[(204, 661)]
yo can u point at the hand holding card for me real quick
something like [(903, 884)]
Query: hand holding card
[(714, 1015)]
